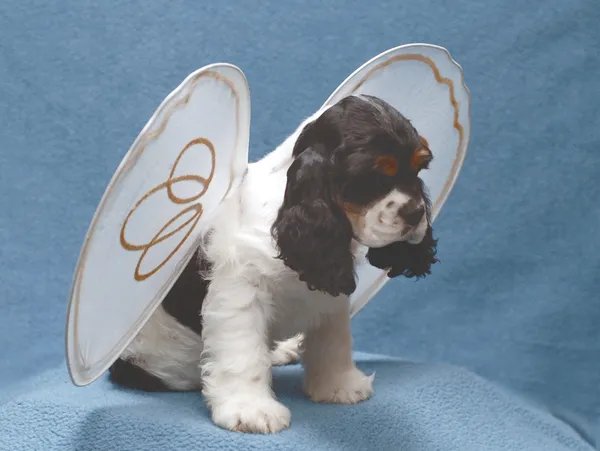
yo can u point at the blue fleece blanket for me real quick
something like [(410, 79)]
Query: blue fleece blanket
[(514, 300), (416, 407)]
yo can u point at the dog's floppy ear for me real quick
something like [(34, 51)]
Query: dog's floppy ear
[(311, 230), (405, 259)]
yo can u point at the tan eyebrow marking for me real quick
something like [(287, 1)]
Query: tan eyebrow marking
[(421, 156)]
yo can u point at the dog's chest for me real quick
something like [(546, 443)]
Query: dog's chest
[(295, 308)]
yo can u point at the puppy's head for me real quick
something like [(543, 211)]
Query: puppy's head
[(355, 174)]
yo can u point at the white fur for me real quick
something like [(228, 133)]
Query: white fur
[(168, 350), (381, 224), (287, 351), (255, 301), (172, 351)]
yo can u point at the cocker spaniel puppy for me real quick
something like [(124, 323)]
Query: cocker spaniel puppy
[(279, 260)]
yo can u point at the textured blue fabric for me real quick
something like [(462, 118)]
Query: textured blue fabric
[(514, 300), (416, 407)]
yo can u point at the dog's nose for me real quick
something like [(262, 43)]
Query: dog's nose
[(411, 214)]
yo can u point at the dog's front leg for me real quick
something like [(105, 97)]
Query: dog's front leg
[(330, 373), (236, 364)]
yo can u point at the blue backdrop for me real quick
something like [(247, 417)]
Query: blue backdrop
[(515, 298)]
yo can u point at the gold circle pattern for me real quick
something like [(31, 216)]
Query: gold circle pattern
[(195, 207)]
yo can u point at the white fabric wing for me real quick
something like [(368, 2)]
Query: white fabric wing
[(146, 228)]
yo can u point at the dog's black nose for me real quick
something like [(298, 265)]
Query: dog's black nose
[(411, 214)]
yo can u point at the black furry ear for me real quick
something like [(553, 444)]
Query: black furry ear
[(312, 232), (405, 259)]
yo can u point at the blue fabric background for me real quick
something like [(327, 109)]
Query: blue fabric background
[(515, 298)]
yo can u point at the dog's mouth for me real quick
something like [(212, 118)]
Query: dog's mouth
[(382, 240), (381, 236)]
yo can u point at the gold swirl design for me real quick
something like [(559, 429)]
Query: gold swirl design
[(191, 222)]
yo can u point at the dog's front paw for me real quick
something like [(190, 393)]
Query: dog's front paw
[(259, 415), (349, 387)]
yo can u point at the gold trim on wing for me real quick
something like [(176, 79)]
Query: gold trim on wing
[(376, 285), (150, 136), (442, 80)]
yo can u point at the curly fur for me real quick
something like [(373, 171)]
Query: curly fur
[(404, 259), (312, 232)]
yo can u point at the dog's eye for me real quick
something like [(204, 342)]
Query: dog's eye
[(387, 164)]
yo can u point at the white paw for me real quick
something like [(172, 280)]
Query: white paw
[(287, 351), (350, 387), (259, 415)]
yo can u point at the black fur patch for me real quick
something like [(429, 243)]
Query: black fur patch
[(184, 300), (184, 303), (312, 232), (405, 259), (129, 375)]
